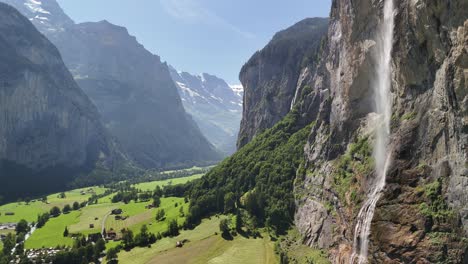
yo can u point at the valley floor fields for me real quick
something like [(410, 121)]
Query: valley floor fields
[(204, 244)]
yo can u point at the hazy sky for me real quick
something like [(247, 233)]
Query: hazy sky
[(213, 36)]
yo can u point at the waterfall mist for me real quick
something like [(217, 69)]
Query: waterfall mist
[(381, 86)]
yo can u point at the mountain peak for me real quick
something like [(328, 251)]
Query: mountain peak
[(47, 15)]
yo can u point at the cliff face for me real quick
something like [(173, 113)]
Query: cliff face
[(47, 123), (422, 215), (214, 105), (270, 78), (131, 88), (135, 94)]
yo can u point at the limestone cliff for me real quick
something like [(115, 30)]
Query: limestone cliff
[(271, 77), (131, 88), (135, 94), (50, 131), (422, 216)]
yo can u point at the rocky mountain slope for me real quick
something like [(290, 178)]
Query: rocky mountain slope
[(214, 105), (270, 78), (421, 216), (131, 88), (50, 131)]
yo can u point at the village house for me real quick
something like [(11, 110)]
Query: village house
[(110, 235), (117, 211)]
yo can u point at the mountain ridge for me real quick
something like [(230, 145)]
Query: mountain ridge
[(132, 90), (215, 106)]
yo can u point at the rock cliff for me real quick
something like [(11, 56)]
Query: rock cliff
[(422, 215), (50, 131), (271, 77), (130, 86), (136, 96)]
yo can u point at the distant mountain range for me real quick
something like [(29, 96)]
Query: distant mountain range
[(215, 106), (131, 88)]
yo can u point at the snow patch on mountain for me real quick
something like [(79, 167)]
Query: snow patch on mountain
[(36, 7), (215, 106)]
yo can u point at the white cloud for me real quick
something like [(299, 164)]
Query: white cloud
[(192, 12)]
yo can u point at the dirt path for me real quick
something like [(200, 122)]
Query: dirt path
[(103, 224)]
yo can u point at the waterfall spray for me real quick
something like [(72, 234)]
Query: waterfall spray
[(383, 107)]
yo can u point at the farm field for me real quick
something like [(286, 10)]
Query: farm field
[(204, 247), (138, 215), (90, 219), (30, 211), (51, 235), (149, 186)]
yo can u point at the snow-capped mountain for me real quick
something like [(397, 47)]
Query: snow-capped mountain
[(46, 15), (238, 89), (214, 105)]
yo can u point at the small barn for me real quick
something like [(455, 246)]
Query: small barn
[(117, 211)]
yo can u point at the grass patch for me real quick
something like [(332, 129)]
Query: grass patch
[(30, 211), (203, 247), (150, 186), (88, 217), (142, 255), (51, 235)]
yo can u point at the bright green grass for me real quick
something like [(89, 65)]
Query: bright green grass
[(74, 196), (142, 255), (204, 247), (106, 199), (29, 212), (239, 251), (22, 211), (138, 215), (150, 186), (172, 212), (133, 211), (51, 235), (88, 216)]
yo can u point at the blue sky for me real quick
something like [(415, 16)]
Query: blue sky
[(213, 36)]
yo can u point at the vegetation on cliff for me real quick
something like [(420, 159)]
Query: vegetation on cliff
[(259, 178)]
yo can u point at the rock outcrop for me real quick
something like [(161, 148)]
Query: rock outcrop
[(50, 131), (272, 76), (214, 105), (422, 216), (130, 86)]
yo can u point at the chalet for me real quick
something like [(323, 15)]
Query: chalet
[(117, 211), (91, 225), (111, 235)]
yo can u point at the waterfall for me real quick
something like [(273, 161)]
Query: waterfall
[(383, 107)]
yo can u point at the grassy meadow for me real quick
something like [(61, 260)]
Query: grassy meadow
[(203, 244), (149, 186)]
